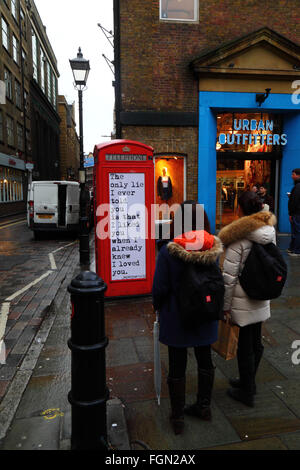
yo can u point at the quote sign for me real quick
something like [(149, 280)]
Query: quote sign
[(127, 226)]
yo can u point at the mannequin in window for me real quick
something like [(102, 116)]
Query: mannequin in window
[(164, 185)]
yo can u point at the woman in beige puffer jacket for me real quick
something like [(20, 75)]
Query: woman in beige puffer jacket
[(257, 226)]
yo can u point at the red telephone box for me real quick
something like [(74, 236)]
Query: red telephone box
[(124, 195)]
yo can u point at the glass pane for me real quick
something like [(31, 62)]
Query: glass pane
[(233, 178), (179, 10), (249, 132)]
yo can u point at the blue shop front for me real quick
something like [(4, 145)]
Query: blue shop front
[(249, 123)]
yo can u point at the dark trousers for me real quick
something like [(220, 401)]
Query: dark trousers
[(178, 360), (249, 353), (295, 234)]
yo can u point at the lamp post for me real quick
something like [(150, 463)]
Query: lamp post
[(80, 68)]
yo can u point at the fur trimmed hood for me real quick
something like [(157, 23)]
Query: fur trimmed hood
[(202, 257), (243, 227)]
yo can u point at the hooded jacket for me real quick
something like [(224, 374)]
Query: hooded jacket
[(169, 267), (238, 237)]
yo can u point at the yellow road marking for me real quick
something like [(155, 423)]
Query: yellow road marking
[(2, 227), (52, 413)]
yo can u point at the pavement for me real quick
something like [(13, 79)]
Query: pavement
[(34, 383)]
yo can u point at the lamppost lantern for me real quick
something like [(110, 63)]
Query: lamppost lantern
[(81, 68)]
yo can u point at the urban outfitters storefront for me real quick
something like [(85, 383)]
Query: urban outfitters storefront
[(249, 123)]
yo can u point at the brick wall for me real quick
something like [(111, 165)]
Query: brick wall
[(155, 55), (170, 139)]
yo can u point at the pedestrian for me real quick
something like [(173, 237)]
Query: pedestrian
[(255, 188), (265, 197), (253, 225), (171, 261), (294, 214)]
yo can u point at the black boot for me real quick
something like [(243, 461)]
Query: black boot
[(177, 398), (245, 393), (201, 409), (236, 383)]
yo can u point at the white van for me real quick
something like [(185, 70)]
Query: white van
[(53, 206)]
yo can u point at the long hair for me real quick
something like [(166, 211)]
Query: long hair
[(250, 203), (189, 216)]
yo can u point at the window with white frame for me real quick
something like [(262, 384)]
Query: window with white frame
[(19, 136), (8, 83), (34, 56), (18, 94), (14, 9), (5, 34), (42, 69), (16, 50), (49, 82), (54, 90), (23, 22), (10, 131), (179, 10)]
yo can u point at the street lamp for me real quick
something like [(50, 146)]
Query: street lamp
[(80, 68)]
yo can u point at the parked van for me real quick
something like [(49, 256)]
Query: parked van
[(53, 206)]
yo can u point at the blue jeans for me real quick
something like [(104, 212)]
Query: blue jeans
[(295, 234)]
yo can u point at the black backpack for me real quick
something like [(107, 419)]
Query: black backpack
[(264, 273), (200, 294)]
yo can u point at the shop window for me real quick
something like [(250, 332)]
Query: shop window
[(10, 131), (169, 183), (11, 185), (8, 83), (5, 34), (179, 10)]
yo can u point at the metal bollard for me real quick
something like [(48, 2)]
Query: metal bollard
[(89, 394)]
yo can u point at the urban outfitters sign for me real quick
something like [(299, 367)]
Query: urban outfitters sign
[(259, 132)]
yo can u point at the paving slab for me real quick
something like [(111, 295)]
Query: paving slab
[(268, 444), (149, 423), (270, 416)]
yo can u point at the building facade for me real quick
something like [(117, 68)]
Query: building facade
[(213, 88), (69, 141), (29, 122)]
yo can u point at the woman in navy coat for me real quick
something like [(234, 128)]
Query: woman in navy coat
[(204, 248)]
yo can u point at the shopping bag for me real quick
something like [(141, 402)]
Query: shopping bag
[(227, 343)]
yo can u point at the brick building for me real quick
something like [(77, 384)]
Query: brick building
[(191, 80), (69, 141), (29, 123)]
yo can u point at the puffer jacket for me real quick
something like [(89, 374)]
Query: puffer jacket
[(237, 238), (170, 264)]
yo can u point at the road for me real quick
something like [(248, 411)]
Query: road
[(22, 258)]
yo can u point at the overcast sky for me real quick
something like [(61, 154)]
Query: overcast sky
[(71, 24)]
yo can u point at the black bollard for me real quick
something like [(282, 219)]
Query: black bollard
[(89, 394)]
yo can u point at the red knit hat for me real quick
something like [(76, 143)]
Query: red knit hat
[(198, 240)]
